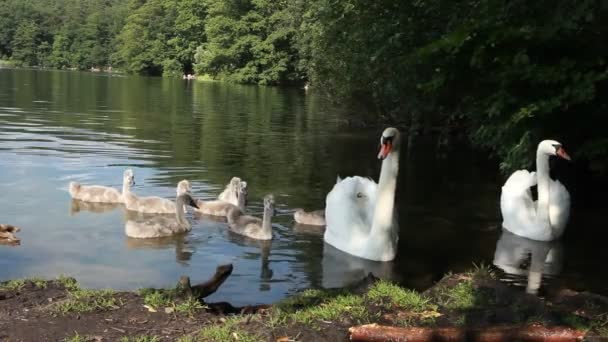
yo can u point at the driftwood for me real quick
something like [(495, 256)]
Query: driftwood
[(7, 235), (205, 289), (375, 332)]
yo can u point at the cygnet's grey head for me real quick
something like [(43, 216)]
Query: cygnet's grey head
[(128, 177)]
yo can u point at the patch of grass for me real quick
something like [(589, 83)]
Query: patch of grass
[(38, 282), (189, 306), (401, 297), (227, 331), (351, 306), (158, 299), (13, 285), (76, 338), (461, 296), (142, 338), (306, 298), (86, 301), (186, 339), (576, 322), (460, 321), (69, 283), (481, 271)]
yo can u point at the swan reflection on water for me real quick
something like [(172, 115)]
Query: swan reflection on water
[(342, 269), (77, 206), (520, 257)]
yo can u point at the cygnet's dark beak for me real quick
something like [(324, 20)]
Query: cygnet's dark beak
[(191, 202)]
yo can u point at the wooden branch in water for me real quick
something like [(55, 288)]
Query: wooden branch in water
[(205, 289), (375, 332)]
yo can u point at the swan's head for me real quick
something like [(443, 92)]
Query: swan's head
[(183, 187), (389, 141), (128, 177), (234, 182), (241, 192), (553, 148), (269, 205)]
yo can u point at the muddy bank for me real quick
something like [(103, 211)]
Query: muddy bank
[(461, 304)]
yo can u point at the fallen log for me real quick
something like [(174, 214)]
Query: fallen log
[(375, 332), (205, 289)]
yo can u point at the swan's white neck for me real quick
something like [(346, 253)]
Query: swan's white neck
[(542, 174), (385, 200)]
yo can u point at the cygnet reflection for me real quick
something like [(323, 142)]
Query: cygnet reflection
[(77, 206)]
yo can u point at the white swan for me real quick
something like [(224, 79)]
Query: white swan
[(154, 204), (101, 194), (222, 208), (251, 226), (545, 219), (230, 193), (161, 226), (312, 218), (360, 213)]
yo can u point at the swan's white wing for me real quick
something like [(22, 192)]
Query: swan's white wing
[(516, 204), (349, 210), (559, 207)]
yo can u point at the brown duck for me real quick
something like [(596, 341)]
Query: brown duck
[(7, 234)]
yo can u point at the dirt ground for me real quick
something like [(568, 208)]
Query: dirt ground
[(58, 310)]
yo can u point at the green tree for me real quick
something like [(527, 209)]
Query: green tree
[(25, 43)]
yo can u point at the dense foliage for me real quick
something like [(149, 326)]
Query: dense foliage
[(512, 72)]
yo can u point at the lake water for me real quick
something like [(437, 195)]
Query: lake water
[(56, 127)]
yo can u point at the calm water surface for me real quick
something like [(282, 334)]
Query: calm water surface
[(56, 127)]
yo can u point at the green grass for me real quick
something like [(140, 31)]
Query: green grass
[(227, 331), (481, 271), (68, 282), (189, 306), (461, 296), (39, 282), (408, 299), (76, 338), (13, 285), (80, 300), (157, 299), (142, 338)]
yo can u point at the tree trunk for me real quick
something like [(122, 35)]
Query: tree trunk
[(375, 332)]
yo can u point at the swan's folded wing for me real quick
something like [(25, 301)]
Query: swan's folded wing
[(516, 204), (346, 214)]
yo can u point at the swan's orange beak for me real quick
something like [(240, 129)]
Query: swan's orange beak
[(385, 149), (561, 152)]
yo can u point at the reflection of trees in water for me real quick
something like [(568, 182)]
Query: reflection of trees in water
[(529, 259), (183, 252)]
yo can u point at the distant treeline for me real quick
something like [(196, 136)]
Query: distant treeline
[(511, 72)]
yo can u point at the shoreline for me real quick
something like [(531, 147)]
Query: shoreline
[(473, 302)]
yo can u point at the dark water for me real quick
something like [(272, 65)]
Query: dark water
[(61, 126)]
